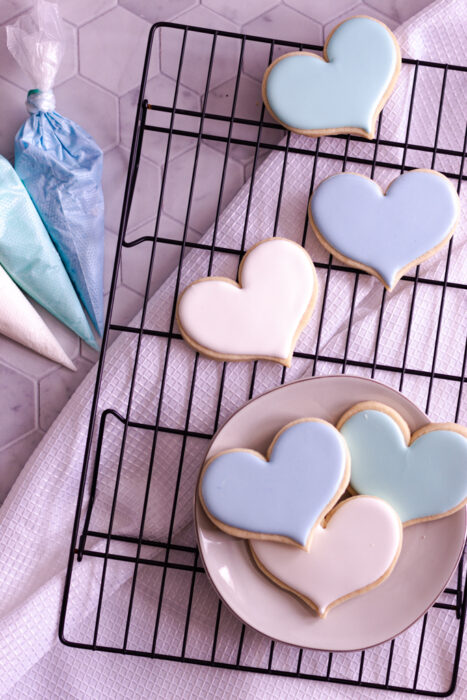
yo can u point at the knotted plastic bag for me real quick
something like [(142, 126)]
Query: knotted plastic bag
[(58, 162), (30, 257), (20, 321)]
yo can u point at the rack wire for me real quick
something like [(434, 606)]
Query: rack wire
[(170, 561)]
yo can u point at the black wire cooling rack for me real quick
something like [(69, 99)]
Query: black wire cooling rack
[(177, 127)]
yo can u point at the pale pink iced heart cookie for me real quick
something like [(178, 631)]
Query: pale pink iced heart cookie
[(262, 315), (354, 552)]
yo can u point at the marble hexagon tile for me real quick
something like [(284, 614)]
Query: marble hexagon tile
[(76, 94), (98, 87)]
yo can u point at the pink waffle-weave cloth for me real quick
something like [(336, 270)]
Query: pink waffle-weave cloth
[(36, 518)]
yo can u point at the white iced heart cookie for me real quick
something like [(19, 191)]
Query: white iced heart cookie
[(342, 94), (355, 551), (262, 315)]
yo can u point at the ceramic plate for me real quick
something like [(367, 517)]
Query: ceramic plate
[(430, 550)]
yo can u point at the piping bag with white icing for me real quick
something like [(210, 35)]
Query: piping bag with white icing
[(59, 163), (20, 321)]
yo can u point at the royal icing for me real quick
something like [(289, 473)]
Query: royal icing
[(422, 481), (345, 92), (20, 321), (384, 232), (284, 497), (262, 315), (357, 548)]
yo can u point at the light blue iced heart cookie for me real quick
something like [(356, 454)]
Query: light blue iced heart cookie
[(281, 497), (422, 476), (342, 94), (384, 233)]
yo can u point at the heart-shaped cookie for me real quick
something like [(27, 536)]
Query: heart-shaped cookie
[(284, 496), (384, 233), (342, 94), (260, 317), (423, 476), (354, 552)]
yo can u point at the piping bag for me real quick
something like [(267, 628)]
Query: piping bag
[(59, 163), (32, 332), (30, 257)]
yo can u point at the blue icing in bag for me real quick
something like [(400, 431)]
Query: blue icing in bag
[(30, 257), (58, 162), (61, 167)]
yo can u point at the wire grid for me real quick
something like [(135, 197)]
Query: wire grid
[(206, 627)]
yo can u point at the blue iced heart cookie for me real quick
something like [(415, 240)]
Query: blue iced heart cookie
[(284, 496), (345, 92), (423, 476), (384, 234)]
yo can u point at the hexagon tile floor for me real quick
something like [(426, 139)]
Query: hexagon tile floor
[(97, 87)]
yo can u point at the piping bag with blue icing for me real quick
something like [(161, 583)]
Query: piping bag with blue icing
[(20, 321), (30, 257), (58, 162)]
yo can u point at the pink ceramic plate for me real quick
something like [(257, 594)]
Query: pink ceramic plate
[(429, 554)]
